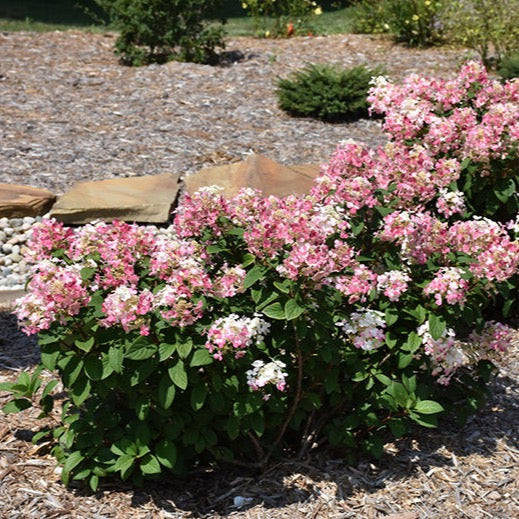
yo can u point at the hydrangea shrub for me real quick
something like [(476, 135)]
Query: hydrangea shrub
[(259, 326)]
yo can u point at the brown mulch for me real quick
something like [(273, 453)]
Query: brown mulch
[(69, 111)]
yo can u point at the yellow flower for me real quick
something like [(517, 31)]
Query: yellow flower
[(318, 11), (244, 5), (415, 17)]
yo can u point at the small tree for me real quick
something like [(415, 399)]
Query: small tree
[(163, 30), (490, 27)]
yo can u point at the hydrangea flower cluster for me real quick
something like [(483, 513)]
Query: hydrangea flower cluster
[(365, 329), (448, 285), (393, 283), (262, 374), (55, 293), (234, 333), (446, 353)]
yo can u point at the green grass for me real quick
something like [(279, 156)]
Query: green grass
[(51, 15)]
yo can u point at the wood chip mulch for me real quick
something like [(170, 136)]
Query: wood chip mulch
[(68, 112)]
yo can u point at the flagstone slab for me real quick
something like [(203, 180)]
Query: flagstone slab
[(147, 199), (8, 298), (257, 172), (17, 201)]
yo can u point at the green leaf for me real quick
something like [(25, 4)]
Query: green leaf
[(404, 359), (166, 453), (233, 427), (124, 463), (383, 378), (409, 383), (49, 387), (248, 259), (49, 355), (428, 407), (93, 482), (72, 368), (293, 310), (73, 460), (166, 350), (391, 316), (150, 465), (399, 393), (16, 405), (80, 391), (198, 396), (87, 273), (275, 311), (115, 358), (413, 342), (178, 374), (93, 368), (6, 386), (142, 408), (201, 357), (184, 349), (166, 392), (504, 189), (436, 326), (283, 286), (430, 421), (141, 371), (263, 302), (257, 423), (255, 274), (84, 345), (140, 349)]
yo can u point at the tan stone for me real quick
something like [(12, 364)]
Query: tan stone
[(147, 199), (17, 201), (8, 299), (256, 172)]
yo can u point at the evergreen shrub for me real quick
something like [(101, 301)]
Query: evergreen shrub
[(163, 30), (509, 66), (326, 92)]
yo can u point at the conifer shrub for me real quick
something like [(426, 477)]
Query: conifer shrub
[(326, 92), (156, 31), (509, 66)]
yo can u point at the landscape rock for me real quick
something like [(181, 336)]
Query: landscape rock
[(257, 172), (17, 201), (138, 199)]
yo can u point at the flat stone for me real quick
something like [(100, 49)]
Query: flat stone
[(8, 298), (138, 199), (257, 172), (17, 201)]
